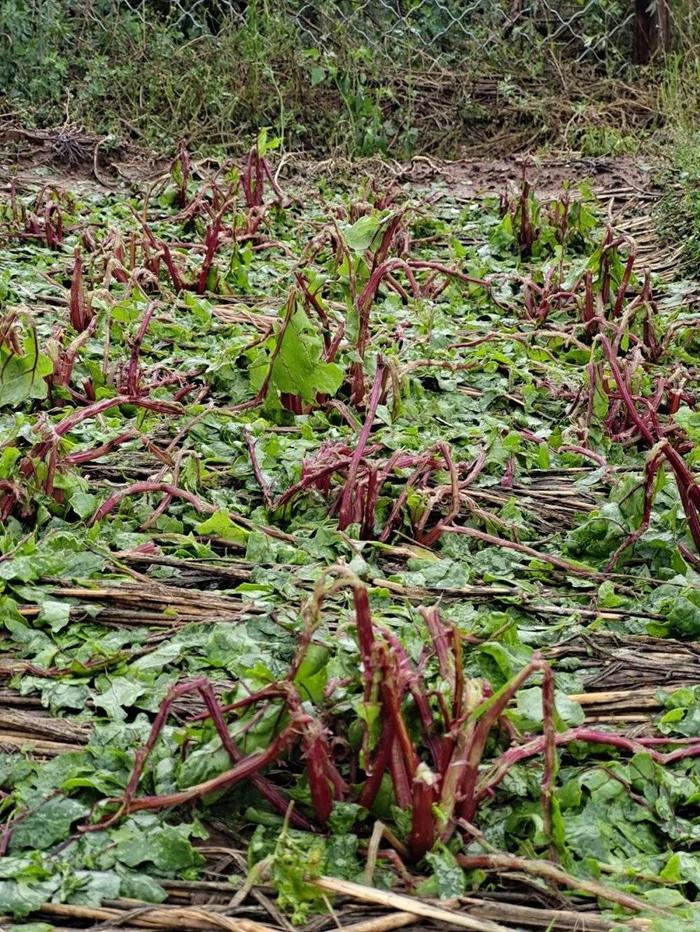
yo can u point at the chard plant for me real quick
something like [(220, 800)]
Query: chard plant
[(360, 529)]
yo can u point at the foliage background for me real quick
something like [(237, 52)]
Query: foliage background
[(355, 77)]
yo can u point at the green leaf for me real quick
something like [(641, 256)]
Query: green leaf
[(95, 886), (295, 862), (312, 674), (690, 422), (166, 847), (84, 504), (683, 715), (140, 887), (684, 617), (55, 614), (299, 368), (682, 867), (359, 236), (448, 878), (318, 75), (22, 377), (8, 461), (529, 706), (121, 693), (50, 823), (221, 525), (341, 856), (18, 898)]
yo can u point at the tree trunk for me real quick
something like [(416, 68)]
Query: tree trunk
[(652, 29)]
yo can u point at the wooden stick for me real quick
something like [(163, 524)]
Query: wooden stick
[(547, 918), (156, 917), (372, 851), (638, 696), (382, 923), (38, 745), (554, 874), (407, 904)]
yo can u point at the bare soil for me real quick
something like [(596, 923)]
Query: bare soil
[(469, 178)]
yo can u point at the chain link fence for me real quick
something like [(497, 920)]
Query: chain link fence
[(434, 33), (336, 75)]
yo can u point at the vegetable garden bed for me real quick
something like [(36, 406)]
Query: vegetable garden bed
[(350, 557)]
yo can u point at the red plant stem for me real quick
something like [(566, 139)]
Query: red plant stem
[(266, 789), (211, 243), (313, 301), (458, 691), (422, 835), (486, 715), (279, 691), (509, 758), (317, 479), (183, 158), (345, 516), (292, 403), (281, 196), (364, 304), (449, 271), (604, 270), (390, 232), (391, 693), (689, 499), (54, 235), (63, 368), (411, 680), (584, 451), (8, 501), (175, 692), (259, 478), (264, 388), (509, 474), (275, 797), (627, 274), (397, 287), (588, 314), (333, 347), (132, 372), (246, 769), (439, 636), (376, 770), (432, 537), (317, 760), (372, 492), (363, 624), (625, 392), (526, 233), (139, 488), (550, 757), (689, 557), (651, 469), (454, 771), (401, 500), (400, 777), (87, 456), (64, 426), (688, 489), (252, 179), (175, 275), (80, 314), (186, 390), (522, 548)]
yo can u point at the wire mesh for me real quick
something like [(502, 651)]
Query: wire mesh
[(439, 32)]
